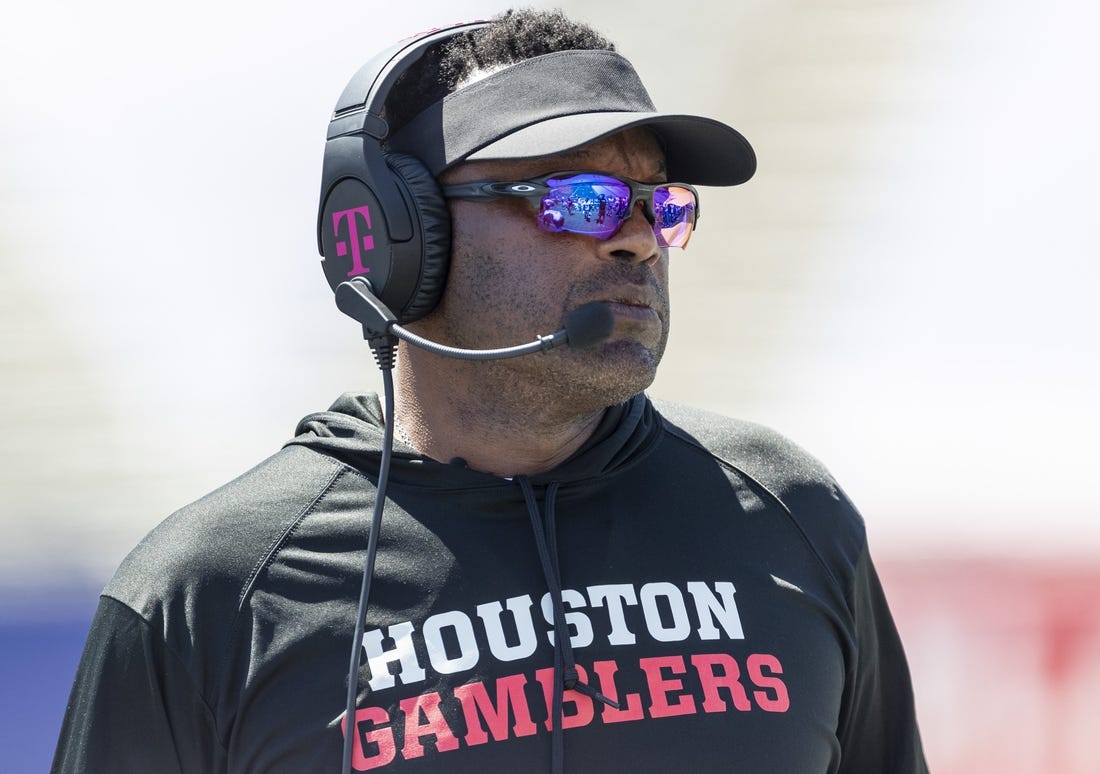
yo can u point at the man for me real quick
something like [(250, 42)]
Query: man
[(567, 579)]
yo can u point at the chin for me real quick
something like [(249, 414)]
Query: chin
[(613, 373)]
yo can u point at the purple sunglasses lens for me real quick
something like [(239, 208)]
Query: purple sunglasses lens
[(597, 205), (673, 215), (584, 204)]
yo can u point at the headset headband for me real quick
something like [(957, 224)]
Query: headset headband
[(359, 109)]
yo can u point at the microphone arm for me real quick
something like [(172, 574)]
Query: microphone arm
[(584, 326), (540, 344)]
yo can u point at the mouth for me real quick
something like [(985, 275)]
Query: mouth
[(632, 309), (634, 304)]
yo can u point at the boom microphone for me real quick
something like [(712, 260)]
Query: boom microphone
[(585, 326)]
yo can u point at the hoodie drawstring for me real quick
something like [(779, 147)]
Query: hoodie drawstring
[(565, 668)]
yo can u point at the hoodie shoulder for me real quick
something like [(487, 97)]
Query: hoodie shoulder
[(790, 476), (214, 547), (778, 460)]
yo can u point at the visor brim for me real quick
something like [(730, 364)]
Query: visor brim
[(698, 150)]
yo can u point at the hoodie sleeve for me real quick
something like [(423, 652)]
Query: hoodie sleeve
[(878, 727), (133, 708)]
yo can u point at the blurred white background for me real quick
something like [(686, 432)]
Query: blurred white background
[(907, 288)]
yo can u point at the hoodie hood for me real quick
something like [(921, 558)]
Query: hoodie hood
[(352, 429)]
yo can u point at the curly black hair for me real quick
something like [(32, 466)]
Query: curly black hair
[(513, 36)]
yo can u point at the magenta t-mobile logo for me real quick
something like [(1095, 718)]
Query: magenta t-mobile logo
[(366, 241)]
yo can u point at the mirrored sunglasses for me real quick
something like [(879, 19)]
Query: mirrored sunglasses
[(596, 205)]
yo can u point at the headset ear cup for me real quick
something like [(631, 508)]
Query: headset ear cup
[(431, 212)]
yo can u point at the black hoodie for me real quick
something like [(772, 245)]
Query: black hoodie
[(714, 580)]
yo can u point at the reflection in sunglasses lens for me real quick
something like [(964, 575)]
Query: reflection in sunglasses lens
[(597, 205)]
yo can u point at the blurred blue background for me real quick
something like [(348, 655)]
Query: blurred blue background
[(39, 660), (907, 288)]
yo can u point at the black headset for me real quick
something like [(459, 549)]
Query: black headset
[(382, 216)]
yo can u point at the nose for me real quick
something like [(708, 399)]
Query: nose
[(635, 241)]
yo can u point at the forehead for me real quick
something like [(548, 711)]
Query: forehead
[(634, 153)]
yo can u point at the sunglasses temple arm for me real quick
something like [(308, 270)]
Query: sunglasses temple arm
[(472, 191)]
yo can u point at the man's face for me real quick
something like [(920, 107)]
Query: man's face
[(509, 281)]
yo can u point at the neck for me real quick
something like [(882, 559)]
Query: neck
[(480, 412)]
